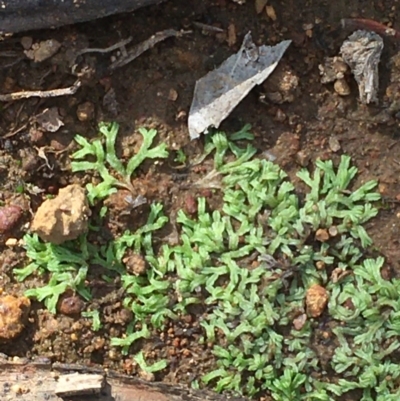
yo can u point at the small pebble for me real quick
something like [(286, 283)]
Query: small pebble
[(316, 300), (85, 111), (72, 305), (26, 42), (13, 316), (190, 204), (341, 87), (334, 144), (9, 217), (11, 242), (172, 95), (322, 235), (300, 321), (333, 231), (302, 158), (135, 264)]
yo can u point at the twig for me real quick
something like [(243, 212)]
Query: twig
[(144, 46), (206, 27), (116, 46), (42, 94), (370, 25)]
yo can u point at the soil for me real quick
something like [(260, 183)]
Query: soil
[(155, 91)]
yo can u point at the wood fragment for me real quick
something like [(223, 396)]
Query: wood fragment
[(42, 94), (75, 384), (38, 381), (206, 27)]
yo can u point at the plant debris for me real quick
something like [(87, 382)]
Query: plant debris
[(134, 53), (220, 91), (362, 51), (42, 94)]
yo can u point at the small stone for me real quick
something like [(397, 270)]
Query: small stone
[(13, 316), (172, 95), (332, 69), (11, 242), (9, 217), (43, 50), (322, 235), (71, 305), (316, 300), (333, 231), (26, 42), (302, 158), (190, 204), (300, 321), (85, 112), (334, 144), (135, 264), (147, 376), (64, 217), (19, 390), (341, 87)]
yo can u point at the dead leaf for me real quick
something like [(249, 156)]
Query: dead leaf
[(220, 91)]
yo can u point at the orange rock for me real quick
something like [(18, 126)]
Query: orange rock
[(13, 315), (316, 299)]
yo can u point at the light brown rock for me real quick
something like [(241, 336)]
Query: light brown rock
[(64, 217), (13, 315), (322, 235), (341, 87), (316, 299), (43, 50)]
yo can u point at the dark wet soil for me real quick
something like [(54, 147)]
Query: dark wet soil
[(156, 91)]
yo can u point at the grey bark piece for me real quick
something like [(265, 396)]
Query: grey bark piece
[(24, 380), (221, 90), (79, 384), (362, 52), (24, 15)]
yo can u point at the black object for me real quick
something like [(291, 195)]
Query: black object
[(24, 15)]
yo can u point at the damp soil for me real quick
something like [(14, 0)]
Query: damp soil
[(155, 91)]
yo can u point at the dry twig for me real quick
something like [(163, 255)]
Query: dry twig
[(144, 46), (42, 94)]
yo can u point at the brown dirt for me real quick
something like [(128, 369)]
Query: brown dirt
[(145, 90)]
